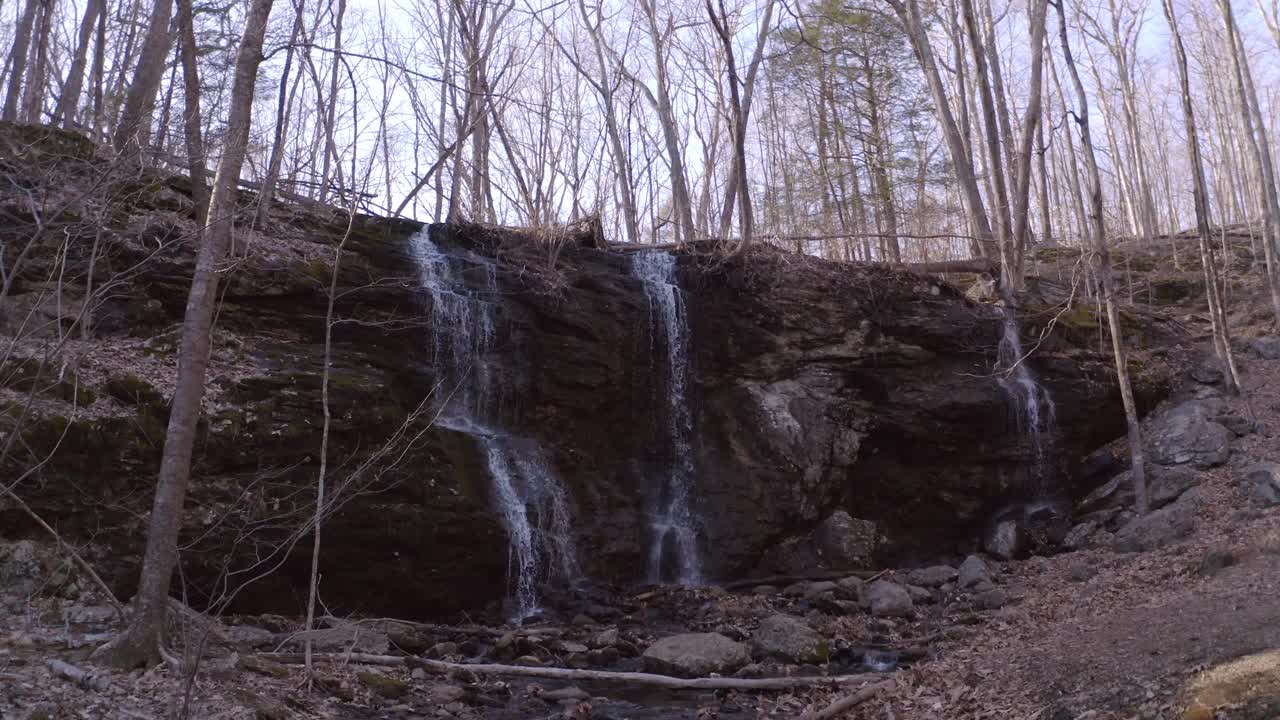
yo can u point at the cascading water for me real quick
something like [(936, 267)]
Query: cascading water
[(1033, 406), (527, 494), (674, 523)]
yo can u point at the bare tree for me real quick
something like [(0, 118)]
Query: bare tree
[(1199, 190), (1102, 269), (68, 103), (135, 120), (141, 642)]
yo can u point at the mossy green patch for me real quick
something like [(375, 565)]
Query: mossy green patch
[(383, 685), (133, 390), (29, 375)]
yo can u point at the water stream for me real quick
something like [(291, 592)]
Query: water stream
[(673, 551), (475, 398), (1033, 407)]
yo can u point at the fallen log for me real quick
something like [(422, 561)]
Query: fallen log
[(551, 673), (83, 678), (848, 702), (811, 577)]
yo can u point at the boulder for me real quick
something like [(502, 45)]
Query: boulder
[(931, 577), (1079, 536), (1262, 482), (993, 599), (919, 594), (887, 599), (845, 542), (21, 569), (1206, 374), (1005, 539), (1186, 434), (1160, 528), (972, 572), (850, 588), (782, 637), (606, 638), (1267, 348), (1239, 426), (1164, 485), (817, 588), (695, 655)]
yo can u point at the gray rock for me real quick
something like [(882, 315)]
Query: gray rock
[(990, 600), (20, 567), (606, 638), (782, 637), (850, 588), (1165, 485), (91, 615), (1185, 434), (1267, 348), (1160, 528), (1262, 481), (984, 586), (1004, 540), (1079, 536), (972, 571), (695, 655), (919, 594), (844, 541), (888, 599), (934, 576), (817, 588), (1239, 426), (796, 589), (1207, 374)]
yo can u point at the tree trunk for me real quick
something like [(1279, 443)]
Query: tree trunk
[(1199, 191), (283, 107), (18, 60), (140, 643), (1102, 266), (135, 121), (908, 12), (1260, 146), (191, 122), (65, 114)]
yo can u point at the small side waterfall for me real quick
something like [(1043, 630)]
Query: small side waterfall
[(1032, 404), (674, 524), (475, 399)]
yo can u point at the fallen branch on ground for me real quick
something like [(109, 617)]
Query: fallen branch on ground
[(632, 678), (812, 577), (83, 678), (848, 702)]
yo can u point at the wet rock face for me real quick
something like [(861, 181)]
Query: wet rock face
[(815, 389)]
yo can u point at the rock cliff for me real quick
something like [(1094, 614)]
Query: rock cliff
[(815, 386)]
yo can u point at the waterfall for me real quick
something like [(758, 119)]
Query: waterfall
[(673, 524), (1032, 404), (475, 397)]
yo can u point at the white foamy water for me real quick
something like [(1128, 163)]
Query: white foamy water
[(674, 522), (526, 492)]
